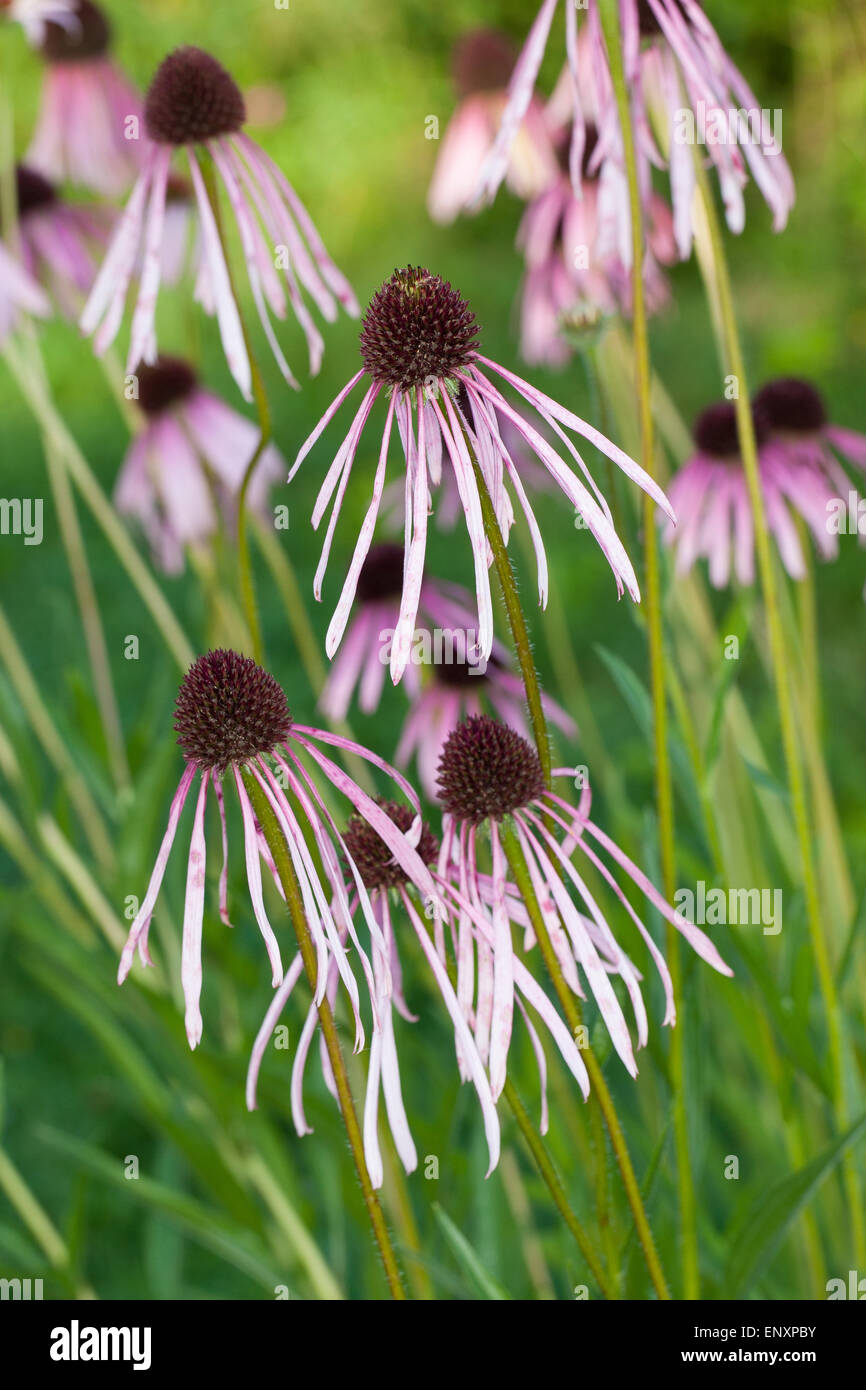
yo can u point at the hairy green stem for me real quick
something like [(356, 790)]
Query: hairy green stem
[(282, 859), (517, 623), (599, 1088)]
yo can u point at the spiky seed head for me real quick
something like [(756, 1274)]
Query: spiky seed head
[(487, 770), (229, 711), (417, 329), (373, 858), (192, 99)]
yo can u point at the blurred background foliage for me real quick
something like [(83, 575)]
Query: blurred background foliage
[(233, 1205)]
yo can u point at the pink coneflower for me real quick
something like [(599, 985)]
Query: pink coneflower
[(460, 688), (577, 261), (57, 239), (90, 119), (193, 102), (184, 470), (419, 351), (232, 717), (801, 432), (33, 15), (488, 774), (676, 70), (714, 512), (483, 61), (20, 292), (365, 652), (391, 902)]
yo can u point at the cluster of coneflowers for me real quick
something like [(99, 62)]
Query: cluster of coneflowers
[(467, 437)]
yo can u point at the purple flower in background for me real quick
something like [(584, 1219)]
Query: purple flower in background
[(184, 469), (231, 716), (801, 432), (483, 61), (679, 76), (714, 511), (90, 117), (20, 291), (58, 239), (193, 102), (489, 773), (364, 655), (419, 350), (578, 252), (387, 884)]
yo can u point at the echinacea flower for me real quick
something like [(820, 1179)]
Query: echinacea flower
[(444, 609), (488, 776), (483, 60), (678, 73), (194, 104), (577, 268), (232, 719), (184, 469), (460, 688), (419, 352), (20, 293), (388, 886), (57, 239), (89, 123), (714, 511), (33, 15), (801, 432)]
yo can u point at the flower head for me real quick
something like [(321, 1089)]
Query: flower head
[(57, 238), (89, 123), (20, 291), (194, 105), (184, 469), (419, 347), (483, 60), (33, 15), (488, 776), (233, 722), (799, 476)]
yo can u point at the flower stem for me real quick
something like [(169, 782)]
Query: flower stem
[(784, 700), (664, 785), (519, 869), (517, 623), (263, 410), (548, 1172), (277, 845)]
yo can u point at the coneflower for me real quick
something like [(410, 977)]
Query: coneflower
[(184, 468), (232, 720), (482, 64), (489, 779), (89, 129), (58, 239), (714, 511), (194, 105), (419, 348)]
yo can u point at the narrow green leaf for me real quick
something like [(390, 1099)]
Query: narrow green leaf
[(467, 1258)]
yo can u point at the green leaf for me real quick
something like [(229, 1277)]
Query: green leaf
[(763, 779), (467, 1258), (771, 1217)]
